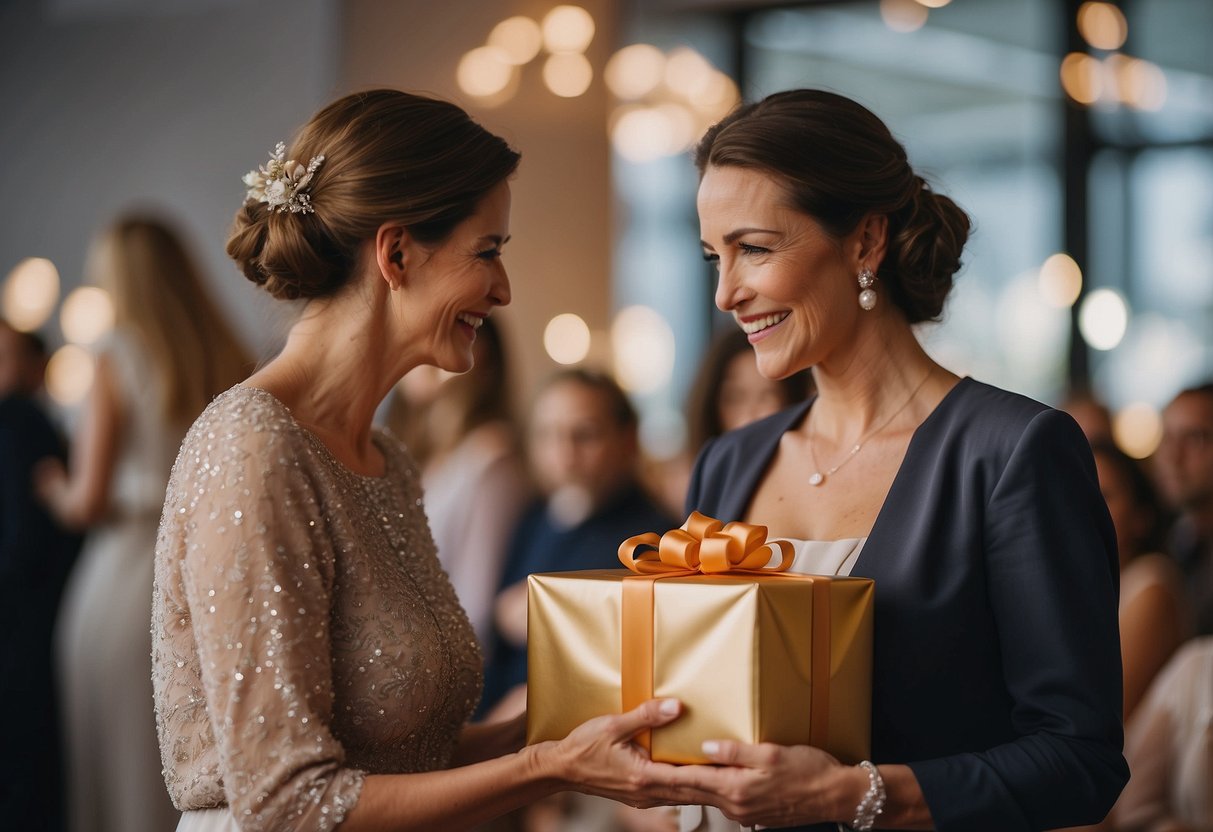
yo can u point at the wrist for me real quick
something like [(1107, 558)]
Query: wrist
[(849, 785), (543, 766)]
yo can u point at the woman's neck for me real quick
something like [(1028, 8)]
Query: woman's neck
[(336, 368), (884, 370)]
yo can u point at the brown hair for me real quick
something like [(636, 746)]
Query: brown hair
[(703, 402), (158, 295), (838, 163), (388, 155)]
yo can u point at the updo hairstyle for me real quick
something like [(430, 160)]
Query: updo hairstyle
[(388, 156), (838, 163)]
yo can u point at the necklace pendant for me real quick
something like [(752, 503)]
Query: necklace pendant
[(817, 478)]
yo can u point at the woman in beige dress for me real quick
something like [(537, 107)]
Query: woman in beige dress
[(313, 667)]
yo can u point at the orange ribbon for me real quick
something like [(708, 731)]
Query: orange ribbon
[(706, 546)]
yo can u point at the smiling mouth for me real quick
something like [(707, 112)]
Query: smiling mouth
[(473, 321), (759, 324)]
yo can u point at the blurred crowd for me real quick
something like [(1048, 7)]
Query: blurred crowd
[(506, 496)]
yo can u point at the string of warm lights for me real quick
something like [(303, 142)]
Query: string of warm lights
[(490, 73), (665, 100), (1116, 79)]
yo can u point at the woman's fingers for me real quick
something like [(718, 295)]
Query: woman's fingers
[(651, 714), (745, 755)]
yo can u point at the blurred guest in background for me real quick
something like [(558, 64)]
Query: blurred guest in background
[(584, 449), (1169, 746), (1092, 415), (1154, 617), (22, 362), (728, 393), (461, 431), (169, 353), (35, 554), (1184, 463)]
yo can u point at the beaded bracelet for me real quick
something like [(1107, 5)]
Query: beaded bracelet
[(873, 800)]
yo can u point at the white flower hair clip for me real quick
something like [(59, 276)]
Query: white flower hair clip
[(280, 184)]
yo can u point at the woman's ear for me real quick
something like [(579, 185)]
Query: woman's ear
[(391, 244), (872, 240)]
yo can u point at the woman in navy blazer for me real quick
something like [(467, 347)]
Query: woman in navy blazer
[(996, 678)]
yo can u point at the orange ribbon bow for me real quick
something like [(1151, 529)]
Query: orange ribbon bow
[(704, 544)]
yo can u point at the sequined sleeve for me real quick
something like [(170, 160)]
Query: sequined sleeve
[(257, 577)]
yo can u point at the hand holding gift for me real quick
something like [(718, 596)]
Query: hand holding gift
[(601, 752)]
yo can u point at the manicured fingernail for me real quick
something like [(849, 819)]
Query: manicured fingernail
[(711, 748), (668, 707)]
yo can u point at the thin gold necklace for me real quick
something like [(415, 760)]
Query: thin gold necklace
[(818, 476)]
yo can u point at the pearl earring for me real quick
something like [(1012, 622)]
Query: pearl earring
[(867, 297)]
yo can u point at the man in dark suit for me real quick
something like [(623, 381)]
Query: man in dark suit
[(584, 449), (35, 555)]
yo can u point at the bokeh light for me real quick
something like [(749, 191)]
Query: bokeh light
[(643, 346), (69, 375), (934, 4), (519, 38), (567, 339), (1082, 77), (634, 71), (1137, 429), (30, 293), (642, 134), (484, 72), (1060, 281), (1141, 84), (717, 98), (903, 15), (688, 73), (86, 315), (567, 29), (1102, 25), (1103, 318), (567, 74)]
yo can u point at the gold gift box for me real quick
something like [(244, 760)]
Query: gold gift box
[(745, 653)]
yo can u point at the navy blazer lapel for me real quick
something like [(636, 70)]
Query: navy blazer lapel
[(753, 457)]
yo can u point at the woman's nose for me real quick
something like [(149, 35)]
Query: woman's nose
[(500, 292), (729, 291)]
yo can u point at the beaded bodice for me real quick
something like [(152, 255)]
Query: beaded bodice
[(303, 631)]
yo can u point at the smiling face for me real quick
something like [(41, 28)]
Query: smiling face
[(788, 283), (450, 289)]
